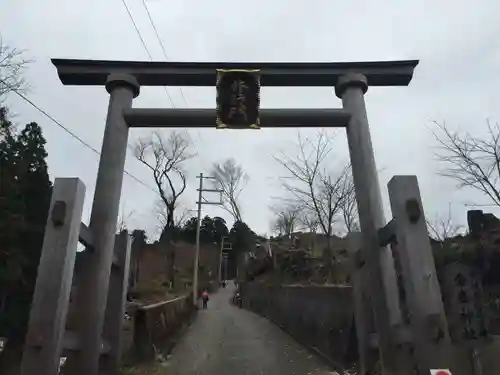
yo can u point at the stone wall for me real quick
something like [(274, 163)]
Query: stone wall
[(156, 328), (319, 317)]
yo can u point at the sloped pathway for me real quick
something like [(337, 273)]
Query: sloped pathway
[(226, 340)]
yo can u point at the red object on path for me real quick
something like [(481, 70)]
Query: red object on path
[(441, 372)]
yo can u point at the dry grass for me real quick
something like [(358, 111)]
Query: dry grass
[(152, 368), (154, 290)]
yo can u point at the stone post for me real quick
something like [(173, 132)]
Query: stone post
[(44, 340), (383, 285), (116, 304), (423, 293), (362, 309), (93, 285)]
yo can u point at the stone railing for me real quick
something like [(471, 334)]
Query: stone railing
[(319, 317), (155, 328)]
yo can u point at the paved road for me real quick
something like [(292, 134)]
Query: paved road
[(226, 340)]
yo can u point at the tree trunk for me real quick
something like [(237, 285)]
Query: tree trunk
[(10, 357), (170, 247), (328, 258)]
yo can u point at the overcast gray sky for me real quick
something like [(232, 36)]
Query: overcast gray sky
[(457, 42)]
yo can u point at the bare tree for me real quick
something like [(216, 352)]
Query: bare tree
[(348, 206), (161, 213), (122, 224), (442, 228), (123, 218), (165, 158), (313, 187), (308, 220), (12, 66), (286, 219), (180, 214), (471, 161), (336, 199), (231, 179)]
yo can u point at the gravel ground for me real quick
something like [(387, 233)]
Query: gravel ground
[(226, 340)]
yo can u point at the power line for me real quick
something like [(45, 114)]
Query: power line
[(50, 117), (165, 54), (160, 41), (155, 29), (137, 30), (144, 45)]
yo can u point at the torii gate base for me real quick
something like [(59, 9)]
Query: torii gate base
[(123, 79)]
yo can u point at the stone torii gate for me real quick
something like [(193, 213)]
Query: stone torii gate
[(123, 81)]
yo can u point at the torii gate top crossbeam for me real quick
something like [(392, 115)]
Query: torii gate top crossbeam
[(95, 72)]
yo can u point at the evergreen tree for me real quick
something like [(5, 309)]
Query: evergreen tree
[(243, 240), (211, 230), (206, 230), (220, 229), (190, 230), (242, 237), (24, 201)]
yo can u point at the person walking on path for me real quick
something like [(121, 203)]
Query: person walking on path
[(204, 298)]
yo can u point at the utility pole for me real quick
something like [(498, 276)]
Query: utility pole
[(198, 226)]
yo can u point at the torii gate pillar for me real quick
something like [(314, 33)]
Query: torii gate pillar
[(382, 287), (93, 285)]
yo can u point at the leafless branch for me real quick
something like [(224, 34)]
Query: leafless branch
[(181, 214), (165, 157), (442, 227), (471, 161), (12, 67), (231, 179), (313, 187), (348, 205), (285, 219), (123, 219), (308, 220), (181, 217)]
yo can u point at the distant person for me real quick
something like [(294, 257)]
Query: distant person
[(237, 299), (204, 298)]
